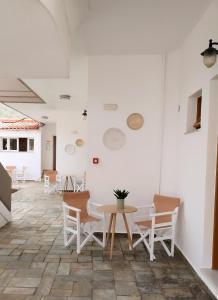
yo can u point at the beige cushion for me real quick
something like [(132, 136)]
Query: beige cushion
[(79, 200), (165, 203), (158, 220), (51, 174), (162, 204)]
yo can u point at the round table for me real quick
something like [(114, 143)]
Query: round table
[(113, 210)]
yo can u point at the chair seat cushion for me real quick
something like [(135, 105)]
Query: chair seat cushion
[(88, 218), (146, 223), (158, 220)]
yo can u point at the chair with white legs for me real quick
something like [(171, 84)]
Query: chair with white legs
[(21, 174), (79, 183), (51, 181), (59, 184), (77, 214), (46, 184), (12, 173), (49, 186), (160, 226)]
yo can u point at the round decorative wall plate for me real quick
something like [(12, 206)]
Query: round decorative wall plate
[(114, 138), (135, 121), (69, 149), (79, 142)]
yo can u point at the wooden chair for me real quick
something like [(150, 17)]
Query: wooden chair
[(59, 184), (51, 174), (160, 226), (46, 184), (78, 212), (20, 174), (52, 182), (12, 172), (79, 183)]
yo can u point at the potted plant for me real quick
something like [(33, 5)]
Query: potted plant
[(120, 195)]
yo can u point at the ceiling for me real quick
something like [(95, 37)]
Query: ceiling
[(16, 91), (137, 26), (95, 27), (33, 44), (50, 90)]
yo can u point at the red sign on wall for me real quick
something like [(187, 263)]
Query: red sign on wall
[(95, 160)]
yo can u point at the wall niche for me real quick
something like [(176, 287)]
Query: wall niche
[(194, 112)]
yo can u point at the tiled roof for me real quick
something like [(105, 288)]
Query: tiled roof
[(22, 124)]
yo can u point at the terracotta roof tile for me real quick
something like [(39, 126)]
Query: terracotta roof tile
[(22, 124)]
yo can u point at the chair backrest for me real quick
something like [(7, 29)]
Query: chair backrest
[(11, 170), (77, 200), (10, 167), (165, 204), (51, 174)]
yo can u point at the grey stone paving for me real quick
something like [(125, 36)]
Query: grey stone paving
[(34, 264)]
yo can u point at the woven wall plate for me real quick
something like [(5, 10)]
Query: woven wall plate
[(69, 149), (135, 121), (79, 142), (114, 138)]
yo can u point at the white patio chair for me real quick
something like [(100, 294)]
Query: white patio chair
[(59, 184), (79, 183), (21, 174), (160, 226), (52, 183), (12, 173), (78, 212), (46, 184)]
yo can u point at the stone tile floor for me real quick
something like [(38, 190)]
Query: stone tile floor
[(34, 264)]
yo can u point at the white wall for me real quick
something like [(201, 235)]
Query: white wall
[(135, 83), (69, 127), (211, 172), (193, 158), (31, 160), (48, 131), (169, 158)]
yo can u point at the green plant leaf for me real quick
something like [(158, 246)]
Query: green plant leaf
[(120, 194)]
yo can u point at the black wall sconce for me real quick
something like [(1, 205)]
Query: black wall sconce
[(209, 54), (84, 114)]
